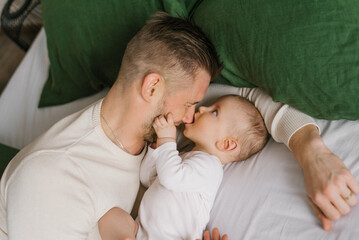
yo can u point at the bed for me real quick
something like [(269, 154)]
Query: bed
[(261, 198)]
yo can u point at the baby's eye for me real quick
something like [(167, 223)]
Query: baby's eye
[(214, 112)]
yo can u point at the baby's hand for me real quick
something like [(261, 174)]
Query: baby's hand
[(165, 129)]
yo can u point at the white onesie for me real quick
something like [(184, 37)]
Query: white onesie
[(181, 192)]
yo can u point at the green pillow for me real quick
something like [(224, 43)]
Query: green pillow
[(6, 154), (86, 41), (303, 53)]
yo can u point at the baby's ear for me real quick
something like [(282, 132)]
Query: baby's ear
[(227, 144)]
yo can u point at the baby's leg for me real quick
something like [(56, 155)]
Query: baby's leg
[(117, 224)]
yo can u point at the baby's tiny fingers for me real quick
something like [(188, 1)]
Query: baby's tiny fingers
[(156, 123), (162, 120)]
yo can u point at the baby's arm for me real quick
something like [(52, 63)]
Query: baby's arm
[(166, 132), (199, 173)]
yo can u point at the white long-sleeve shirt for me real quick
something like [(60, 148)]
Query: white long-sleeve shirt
[(181, 192)]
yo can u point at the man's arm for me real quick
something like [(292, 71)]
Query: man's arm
[(117, 224), (327, 179), (330, 186)]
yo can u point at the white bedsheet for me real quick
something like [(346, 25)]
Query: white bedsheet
[(264, 197), (261, 198)]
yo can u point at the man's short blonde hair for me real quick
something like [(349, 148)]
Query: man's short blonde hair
[(173, 47)]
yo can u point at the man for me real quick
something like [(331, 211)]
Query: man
[(59, 186)]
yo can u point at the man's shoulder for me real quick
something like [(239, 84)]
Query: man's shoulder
[(37, 163), (68, 133)]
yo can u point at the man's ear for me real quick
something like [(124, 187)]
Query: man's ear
[(227, 144), (152, 86)]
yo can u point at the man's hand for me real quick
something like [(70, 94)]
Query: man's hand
[(165, 129), (331, 188), (215, 235)]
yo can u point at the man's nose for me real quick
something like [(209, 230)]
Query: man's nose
[(189, 114)]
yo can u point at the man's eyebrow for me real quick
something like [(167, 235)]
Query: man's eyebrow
[(194, 103)]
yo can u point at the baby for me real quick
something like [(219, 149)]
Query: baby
[(182, 187)]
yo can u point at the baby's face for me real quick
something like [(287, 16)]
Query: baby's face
[(213, 123)]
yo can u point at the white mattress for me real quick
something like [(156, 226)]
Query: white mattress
[(261, 198)]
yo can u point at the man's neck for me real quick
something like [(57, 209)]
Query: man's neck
[(123, 122)]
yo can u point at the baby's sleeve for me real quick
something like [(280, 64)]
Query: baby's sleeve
[(197, 172)]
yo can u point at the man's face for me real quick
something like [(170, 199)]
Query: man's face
[(182, 104)]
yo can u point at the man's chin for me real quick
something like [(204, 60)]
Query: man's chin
[(150, 136)]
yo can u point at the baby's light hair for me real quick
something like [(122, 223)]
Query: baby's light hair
[(253, 137)]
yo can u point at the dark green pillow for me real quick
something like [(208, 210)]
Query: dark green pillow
[(303, 53), (86, 41), (6, 154)]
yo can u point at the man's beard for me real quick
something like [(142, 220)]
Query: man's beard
[(150, 135)]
